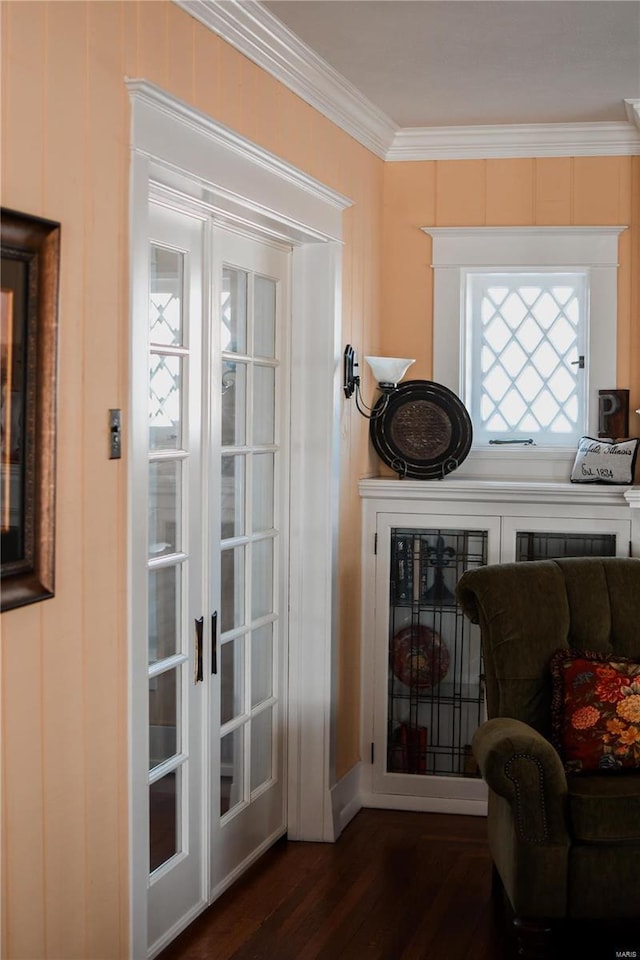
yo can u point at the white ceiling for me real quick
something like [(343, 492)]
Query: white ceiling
[(434, 63)]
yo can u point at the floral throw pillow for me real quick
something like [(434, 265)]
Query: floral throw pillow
[(596, 711)]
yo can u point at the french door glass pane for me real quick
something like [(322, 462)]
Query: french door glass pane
[(261, 748), (164, 612), (233, 496), (164, 705), (231, 767), (264, 380), (234, 403), (165, 402), (165, 296), (261, 664), (264, 320), (164, 818), (261, 578), (232, 589), (164, 507), (233, 336), (231, 679), (263, 469)]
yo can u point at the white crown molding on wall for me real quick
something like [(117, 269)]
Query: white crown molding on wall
[(249, 27), (516, 140), (633, 111)]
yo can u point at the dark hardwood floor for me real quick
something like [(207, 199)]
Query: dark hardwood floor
[(396, 886)]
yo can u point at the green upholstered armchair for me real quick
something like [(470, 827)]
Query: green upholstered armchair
[(563, 846)]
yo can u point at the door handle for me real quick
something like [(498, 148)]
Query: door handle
[(199, 623), (214, 642)]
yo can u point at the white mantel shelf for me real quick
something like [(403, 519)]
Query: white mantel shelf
[(632, 496), (499, 491)]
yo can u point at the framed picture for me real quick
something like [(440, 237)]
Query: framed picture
[(28, 360)]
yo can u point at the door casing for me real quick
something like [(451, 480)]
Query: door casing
[(179, 152)]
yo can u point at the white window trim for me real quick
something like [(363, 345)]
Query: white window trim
[(457, 249), (176, 148)]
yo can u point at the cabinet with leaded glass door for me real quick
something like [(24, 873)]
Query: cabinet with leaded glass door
[(429, 696), (423, 688)]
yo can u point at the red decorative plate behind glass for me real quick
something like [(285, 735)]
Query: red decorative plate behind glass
[(419, 656)]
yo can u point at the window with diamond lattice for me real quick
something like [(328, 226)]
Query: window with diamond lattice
[(526, 335)]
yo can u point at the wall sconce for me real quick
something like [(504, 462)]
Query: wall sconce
[(388, 371)]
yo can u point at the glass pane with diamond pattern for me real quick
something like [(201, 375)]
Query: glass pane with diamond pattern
[(165, 402), (527, 334), (165, 296)]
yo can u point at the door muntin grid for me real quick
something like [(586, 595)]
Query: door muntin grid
[(168, 459), (525, 334), (430, 725), (250, 536)]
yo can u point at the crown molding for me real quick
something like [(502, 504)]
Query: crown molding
[(516, 140), (250, 27), (255, 32), (633, 111)]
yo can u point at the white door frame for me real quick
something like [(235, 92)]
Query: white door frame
[(185, 150)]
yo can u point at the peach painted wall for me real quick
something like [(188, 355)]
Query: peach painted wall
[(65, 156), (550, 191)]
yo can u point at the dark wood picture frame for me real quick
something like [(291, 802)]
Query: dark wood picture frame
[(28, 367)]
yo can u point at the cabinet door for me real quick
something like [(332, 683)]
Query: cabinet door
[(428, 685), (548, 538)]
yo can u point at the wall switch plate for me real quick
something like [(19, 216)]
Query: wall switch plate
[(115, 434)]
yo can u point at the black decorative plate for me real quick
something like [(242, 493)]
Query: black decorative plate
[(425, 431)]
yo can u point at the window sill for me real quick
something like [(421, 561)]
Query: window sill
[(534, 450), (545, 464)]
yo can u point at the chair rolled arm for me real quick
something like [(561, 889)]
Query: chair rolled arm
[(519, 764)]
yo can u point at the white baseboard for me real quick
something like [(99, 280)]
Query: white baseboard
[(346, 799), (176, 929), (387, 801)]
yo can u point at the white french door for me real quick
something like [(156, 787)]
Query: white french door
[(174, 561), (216, 501), (248, 552)]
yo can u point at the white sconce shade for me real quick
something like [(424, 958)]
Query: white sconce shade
[(389, 369), (386, 370)]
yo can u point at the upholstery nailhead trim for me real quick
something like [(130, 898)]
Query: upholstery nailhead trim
[(519, 819)]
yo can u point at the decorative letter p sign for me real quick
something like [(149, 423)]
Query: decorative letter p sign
[(613, 413)]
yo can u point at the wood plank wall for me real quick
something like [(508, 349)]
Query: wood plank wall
[(568, 191), (65, 156)]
